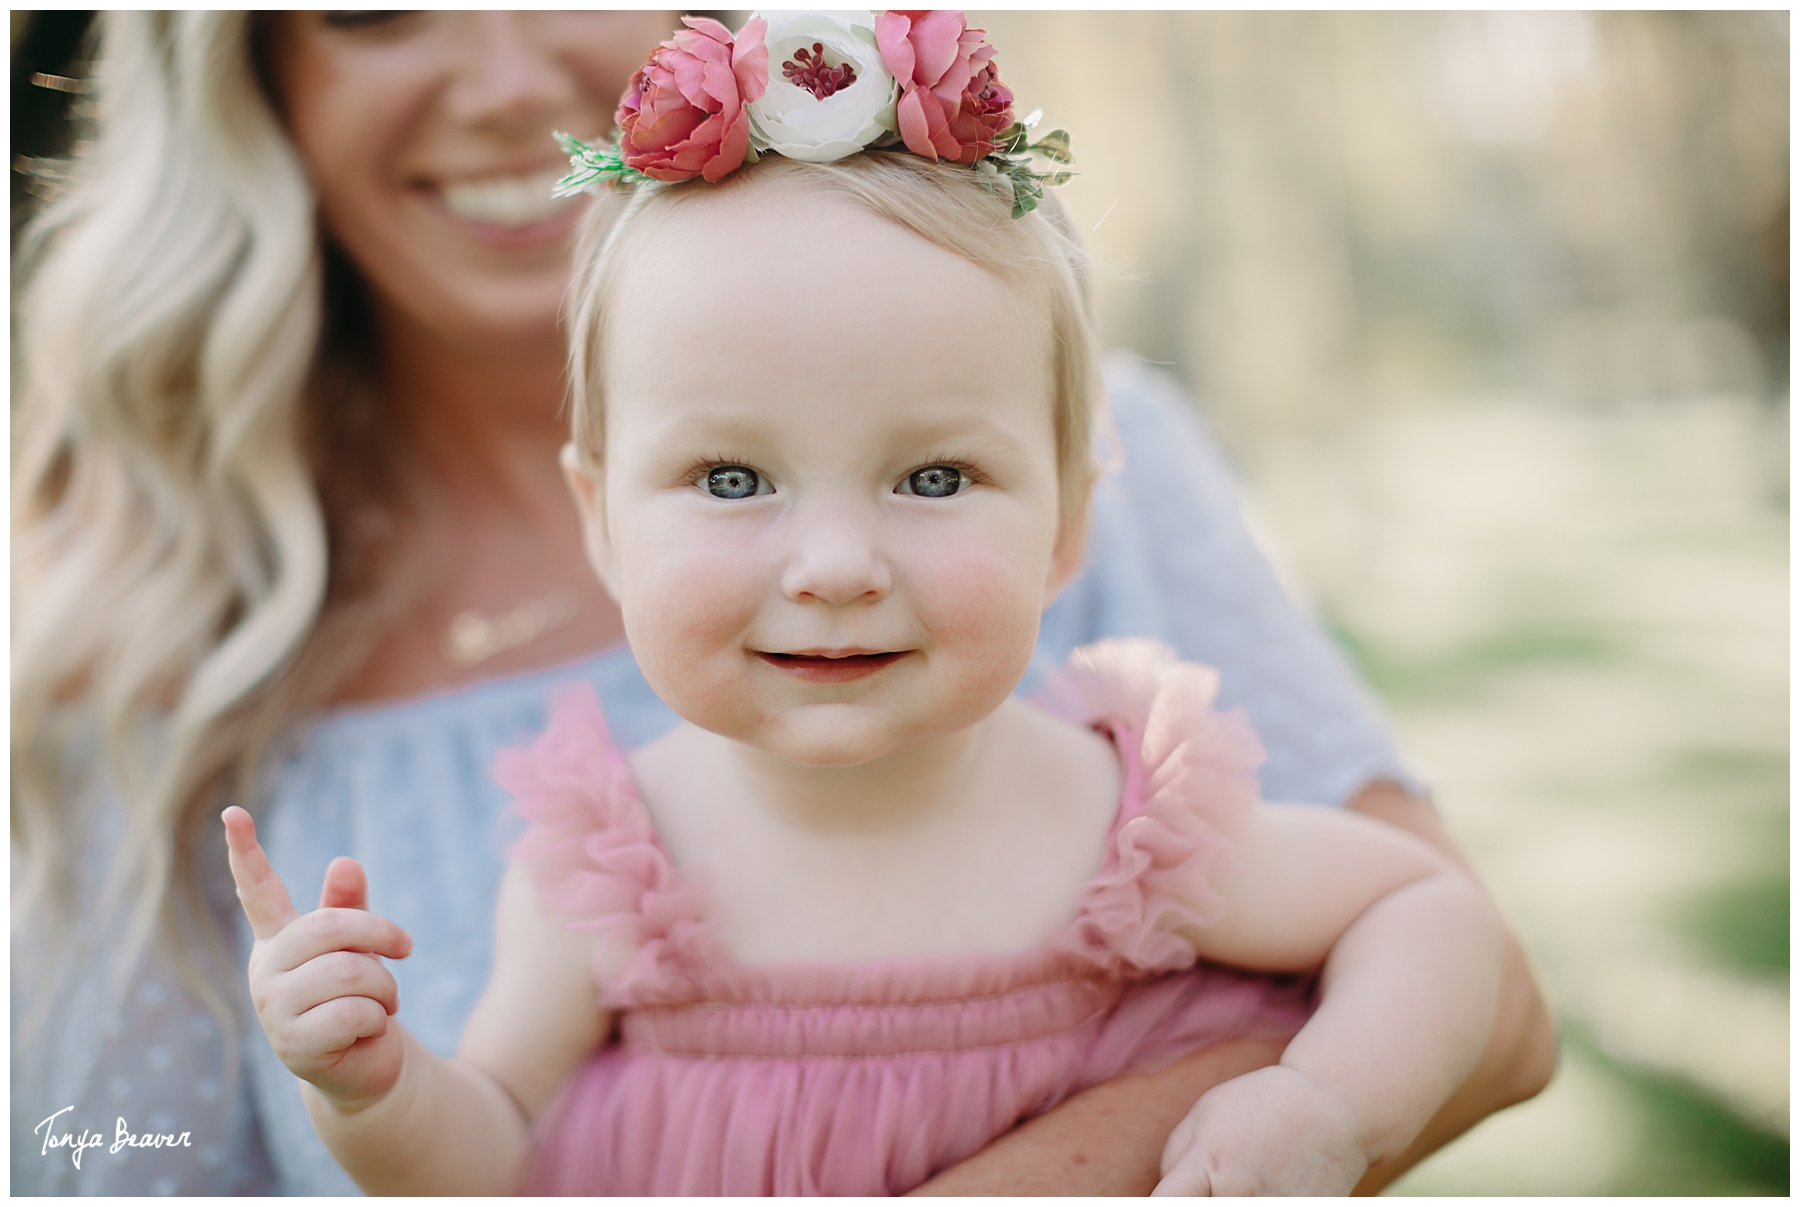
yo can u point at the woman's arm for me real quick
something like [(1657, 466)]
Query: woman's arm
[(1108, 1140), (399, 1118)]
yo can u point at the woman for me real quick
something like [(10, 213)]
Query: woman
[(289, 533)]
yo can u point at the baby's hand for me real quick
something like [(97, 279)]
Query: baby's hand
[(1274, 1131), (322, 996)]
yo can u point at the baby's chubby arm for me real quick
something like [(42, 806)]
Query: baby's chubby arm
[(1410, 950), (398, 1117)]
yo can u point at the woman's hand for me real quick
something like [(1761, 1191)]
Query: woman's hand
[(322, 995), (1274, 1131)]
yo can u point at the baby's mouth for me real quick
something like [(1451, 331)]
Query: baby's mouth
[(833, 667)]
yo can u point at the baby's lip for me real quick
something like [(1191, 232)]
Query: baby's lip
[(848, 651), (841, 665)]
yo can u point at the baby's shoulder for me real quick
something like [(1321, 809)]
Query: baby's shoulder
[(1058, 771)]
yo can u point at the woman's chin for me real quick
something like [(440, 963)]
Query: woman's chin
[(502, 314)]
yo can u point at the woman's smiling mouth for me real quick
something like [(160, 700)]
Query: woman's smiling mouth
[(517, 200), (513, 210), (831, 668)]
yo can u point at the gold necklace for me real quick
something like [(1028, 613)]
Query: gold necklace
[(474, 636)]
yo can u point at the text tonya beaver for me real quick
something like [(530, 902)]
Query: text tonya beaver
[(123, 1138)]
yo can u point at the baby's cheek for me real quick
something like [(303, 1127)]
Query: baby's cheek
[(686, 607), (982, 602)]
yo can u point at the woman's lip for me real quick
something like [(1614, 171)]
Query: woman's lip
[(832, 668), (441, 174)]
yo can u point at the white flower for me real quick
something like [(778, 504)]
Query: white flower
[(794, 121)]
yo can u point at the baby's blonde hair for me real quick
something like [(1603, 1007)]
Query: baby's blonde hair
[(1039, 256)]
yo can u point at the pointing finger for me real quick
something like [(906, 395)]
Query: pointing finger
[(265, 898)]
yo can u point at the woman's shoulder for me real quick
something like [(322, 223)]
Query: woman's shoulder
[(459, 729), (631, 707), (1146, 402)]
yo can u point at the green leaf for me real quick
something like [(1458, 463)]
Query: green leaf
[(592, 163), (1054, 145), (1012, 140), (1024, 184), (1026, 194)]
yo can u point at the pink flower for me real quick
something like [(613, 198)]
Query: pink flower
[(952, 103), (684, 113)]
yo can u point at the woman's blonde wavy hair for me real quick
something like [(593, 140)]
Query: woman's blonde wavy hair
[(176, 593)]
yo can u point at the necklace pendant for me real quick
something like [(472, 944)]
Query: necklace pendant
[(473, 636)]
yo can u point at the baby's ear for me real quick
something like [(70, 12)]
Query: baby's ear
[(1070, 550), (590, 504)]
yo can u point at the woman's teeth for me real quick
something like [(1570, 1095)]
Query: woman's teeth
[(505, 200)]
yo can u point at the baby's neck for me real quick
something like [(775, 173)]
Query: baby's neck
[(974, 844), (920, 788), (891, 792)]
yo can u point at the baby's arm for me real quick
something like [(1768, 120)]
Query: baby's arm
[(1411, 956), (399, 1118)]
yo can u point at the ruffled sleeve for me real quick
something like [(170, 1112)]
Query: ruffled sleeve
[(591, 851), (1191, 786)]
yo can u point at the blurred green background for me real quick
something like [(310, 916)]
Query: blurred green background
[(1491, 310)]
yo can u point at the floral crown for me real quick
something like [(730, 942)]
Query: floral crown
[(705, 103)]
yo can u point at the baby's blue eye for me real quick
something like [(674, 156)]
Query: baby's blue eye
[(732, 481), (936, 481)]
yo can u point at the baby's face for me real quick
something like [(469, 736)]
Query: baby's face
[(829, 502)]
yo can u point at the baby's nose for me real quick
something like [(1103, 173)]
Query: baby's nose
[(835, 558)]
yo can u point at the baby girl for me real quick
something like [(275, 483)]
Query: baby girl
[(864, 910)]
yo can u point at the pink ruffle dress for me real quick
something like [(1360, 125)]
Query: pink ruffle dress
[(868, 1078)]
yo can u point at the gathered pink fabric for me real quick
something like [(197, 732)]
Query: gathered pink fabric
[(867, 1078)]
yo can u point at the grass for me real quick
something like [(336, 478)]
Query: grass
[(1687, 1142), (1466, 670), (1742, 924)]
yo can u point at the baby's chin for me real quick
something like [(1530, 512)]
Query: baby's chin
[(832, 735)]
